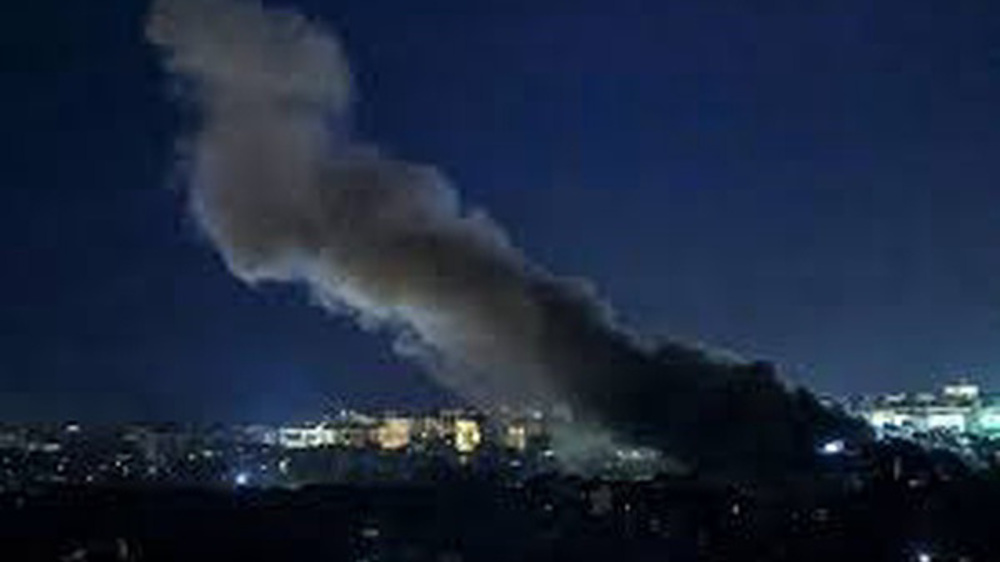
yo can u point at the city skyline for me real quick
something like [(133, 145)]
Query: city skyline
[(525, 280)]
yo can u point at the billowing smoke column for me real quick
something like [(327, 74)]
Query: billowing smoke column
[(285, 194)]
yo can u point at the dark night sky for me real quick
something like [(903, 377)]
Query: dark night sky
[(816, 183)]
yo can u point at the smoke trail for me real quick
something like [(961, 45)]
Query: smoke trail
[(285, 194)]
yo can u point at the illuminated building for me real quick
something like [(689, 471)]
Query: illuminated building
[(885, 417), (394, 433), (956, 410), (922, 417), (467, 435), (950, 418), (516, 437), (961, 392), (306, 437), (988, 419)]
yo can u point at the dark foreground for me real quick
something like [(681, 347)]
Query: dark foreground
[(543, 519)]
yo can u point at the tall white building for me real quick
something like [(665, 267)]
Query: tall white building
[(957, 409)]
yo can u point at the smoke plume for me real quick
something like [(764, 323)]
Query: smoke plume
[(285, 194)]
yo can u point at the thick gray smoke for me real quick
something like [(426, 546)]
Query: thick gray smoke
[(285, 194)]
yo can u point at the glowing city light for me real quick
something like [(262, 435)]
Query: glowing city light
[(242, 478), (834, 447), (394, 433), (467, 435)]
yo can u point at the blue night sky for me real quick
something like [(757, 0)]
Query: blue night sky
[(815, 183)]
